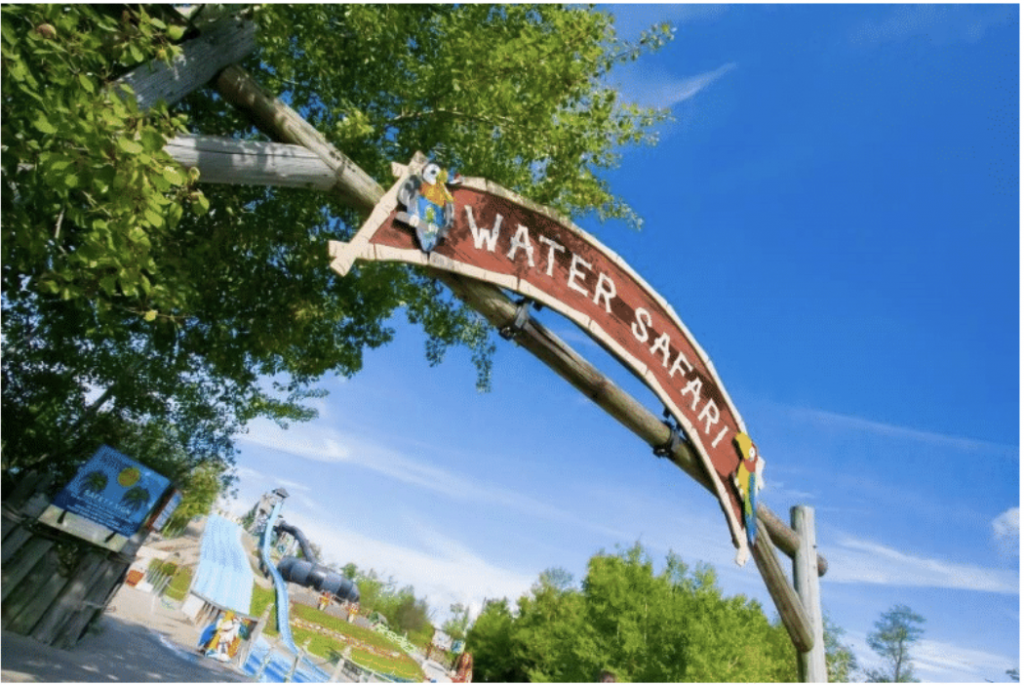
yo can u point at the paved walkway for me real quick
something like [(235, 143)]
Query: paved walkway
[(139, 641)]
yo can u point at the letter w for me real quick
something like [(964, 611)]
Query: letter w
[(480, 236)]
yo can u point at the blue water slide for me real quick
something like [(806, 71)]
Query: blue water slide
[(280, 586)]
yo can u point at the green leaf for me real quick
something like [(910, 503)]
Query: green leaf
[(150, 315), (129, 145), (175, 32), (87, 83), (43, 124), (173, 176)]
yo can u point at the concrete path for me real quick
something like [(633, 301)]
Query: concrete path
[(138, 641)]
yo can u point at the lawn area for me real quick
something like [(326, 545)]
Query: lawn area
[(366, 644)]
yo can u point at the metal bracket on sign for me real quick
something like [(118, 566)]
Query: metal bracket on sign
[(665, 451), (512, 329)]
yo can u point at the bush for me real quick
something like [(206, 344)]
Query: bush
[(178, 587)]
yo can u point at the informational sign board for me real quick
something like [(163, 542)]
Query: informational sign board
[(107, 500), (501, 238)]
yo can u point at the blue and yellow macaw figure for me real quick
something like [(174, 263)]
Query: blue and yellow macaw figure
[(430, 207), (748, 479)]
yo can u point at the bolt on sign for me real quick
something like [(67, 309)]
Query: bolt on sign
[(479, 230)]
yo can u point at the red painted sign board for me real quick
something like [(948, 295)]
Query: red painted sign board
[(504, 239)]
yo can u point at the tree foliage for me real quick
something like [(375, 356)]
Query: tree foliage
[(840, 661), (895, 633), (201, 309), (672, 626)]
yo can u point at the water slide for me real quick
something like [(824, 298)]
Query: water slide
[(309, 573), (280, 586)]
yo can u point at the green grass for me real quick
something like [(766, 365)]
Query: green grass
[(328, 648)]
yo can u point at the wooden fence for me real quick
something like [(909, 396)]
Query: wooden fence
[(53, 585)]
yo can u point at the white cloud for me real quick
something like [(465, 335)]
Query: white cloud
[(939, 24), (446, 572), (315, 442), (651, 88), (943, 661), (861, 561), (830, 419), (1006, 531)]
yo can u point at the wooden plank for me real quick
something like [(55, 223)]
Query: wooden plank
[(791, 610), (358, 190), (61, 609), (40, 599), (805, 578), (31, 582), (244, 162), (223, 43), (13, 542), (21, 564), (98, 594), (354, 186)]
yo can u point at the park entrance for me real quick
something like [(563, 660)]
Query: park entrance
[(482, 241)]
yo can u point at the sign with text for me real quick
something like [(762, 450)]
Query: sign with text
[(107, 500), (501, 238)]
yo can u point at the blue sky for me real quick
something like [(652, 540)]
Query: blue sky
[(834, 215)]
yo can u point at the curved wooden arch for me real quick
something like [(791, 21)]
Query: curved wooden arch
[(504, 239)]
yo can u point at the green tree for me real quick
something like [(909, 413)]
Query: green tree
[(176, 304), (457, 622), (840, 660), (895, 633), (490, 641), (672, 626)]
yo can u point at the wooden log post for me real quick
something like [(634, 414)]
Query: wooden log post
[(354, 187), (805, 578), (225, 42), (226, 160), (791, 610)]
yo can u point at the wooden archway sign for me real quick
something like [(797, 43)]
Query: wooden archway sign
[(302, 156), (501, 238)]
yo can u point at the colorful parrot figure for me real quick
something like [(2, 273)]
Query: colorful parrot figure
[(748, 479), (430, 207)]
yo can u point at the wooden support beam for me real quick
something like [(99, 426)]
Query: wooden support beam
[(243, 162), (813, 668), (791, 609), (360, 191), (354, 186), (224, 42), (784, 537)]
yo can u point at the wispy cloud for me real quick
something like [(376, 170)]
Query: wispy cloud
[(446, 572), (860, 561), (938, 24), (841, 421), (1006, 532), (653, 88), (942, 660), (325, 444)]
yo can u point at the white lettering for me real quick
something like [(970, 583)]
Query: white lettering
[(521, 240), (575, 273), (641, 333), (693, 387), (661, 344), (710, 415), (482, 237), (605, 289), (721, 434), (678, 364), (552, 246)]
